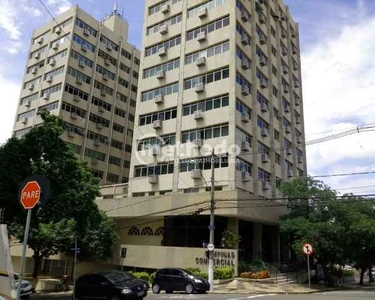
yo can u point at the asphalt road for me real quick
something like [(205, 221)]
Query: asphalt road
[(337, 295)]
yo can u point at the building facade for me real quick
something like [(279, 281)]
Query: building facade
[(86, 72), (222, 75)]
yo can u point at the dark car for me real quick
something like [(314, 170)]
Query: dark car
[(110, 285), (176, 279)]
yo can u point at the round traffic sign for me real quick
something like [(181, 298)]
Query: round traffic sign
[(210, 247), (30, 195), (307, 249)]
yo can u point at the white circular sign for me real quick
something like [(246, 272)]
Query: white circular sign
[(210, 247), (307, 249)]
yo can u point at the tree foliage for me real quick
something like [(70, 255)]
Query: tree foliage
[(341, 228), (229, 239), (71, 209)]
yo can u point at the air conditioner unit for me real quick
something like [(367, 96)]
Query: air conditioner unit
[(300, 159), (109, 47), (245, 176), (201, 61), (162, 51), (298, 120), (40, 40), (153, 179), (265, 158), (73, 116), (165, 8), (245, 146), (107, 62), (245, 117), (24, 120), (285, 69), (202, 13), (202, 36), (159, 99), (283, 34), (265, 186), (58, 29), (81, 63), (76, 98), (262, 61), (94, 161), (262, 18), (287, 129), (198, 143), (83, 48), (155, 150), (86, 31), (245, 90), (293, 33), (296, 84), (290, 173), (157, 124), (245, 39), (55, 46), (199, 88), (163, 29), (46, 96), (70, 133), (103, 92), (286, 109), (99, 125), (101, 108), (96, 142), (196, 174), (37, 55), (263, 83), (160, 74), (245, 63), (28, 103), (296, 102), (263, 107), (244, 16), (283, 17), (34, 70), (79, 80), (105, 77), (52, 62), (30, 87), (284, 51), (286, 89), (49, 79), (262, 40), (264, 132), (299, 140), (288, 151), (198, 114)]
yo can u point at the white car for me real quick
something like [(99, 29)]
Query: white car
[(26, 288)]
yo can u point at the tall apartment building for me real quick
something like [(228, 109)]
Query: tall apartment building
[(218, 73), (86, 72)]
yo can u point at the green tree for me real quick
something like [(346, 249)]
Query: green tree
[(229, 239), (71, 209)]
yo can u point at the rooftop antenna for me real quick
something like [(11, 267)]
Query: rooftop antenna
[(115, 8)]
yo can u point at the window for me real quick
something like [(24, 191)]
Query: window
[(83, 43), (126, 54), (274, 71), (211, 51), (277, 158), (263, 149), (136, 61), (29, 98), (117, 144), (106, 56), (103, 87), (242, 9), (244, 34), (97, 174), (120, 112), (101, 103), (77, 149), (109, 43), (60, 40), (94, 154), (133, 103), (273, 32), (123, 82), (31, 83), (261, 76), (207, 78), (42, 36), (206, 105), (121, 97), (135, 75), (155, 8), (159, 169), (261, 123), (169, 22), (165, 90), (166, 44), (273, 51), (287, 144), (35, 67), (264, 175), (134, 89), (54, 73), (118, 128), (261, 99), (243, 136), (276, 135), (205, 133), (261, 34), (243, 108), (73, 109), (105, 72), (74, 128), (74, 91), (286, 105), (126, 164), (164, 140), (86, 27), (26, 115), (51, 90), (203, 163), (49, 106), (97, 137), (275, 92), (243, 82), (99, 120), (261, 54), (77, 74), (243, 166), (209, 5), (57, 56), (64, 24), (147, 231), (87, 62), (212, 26), (39, 52), (160, 115), (242, 56), (171, 65)]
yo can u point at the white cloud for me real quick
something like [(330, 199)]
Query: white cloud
[(339, 92)]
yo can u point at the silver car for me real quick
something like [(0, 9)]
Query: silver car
[(26, 288)]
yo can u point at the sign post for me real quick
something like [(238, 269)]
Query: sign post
[(30, 196), (308, 250)]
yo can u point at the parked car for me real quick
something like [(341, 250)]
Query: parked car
[(176, 279), (111, 285), (26, 288)]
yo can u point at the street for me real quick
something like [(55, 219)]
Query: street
[(364, 294)]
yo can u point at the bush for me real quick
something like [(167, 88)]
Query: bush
[(246, 274), (142, 275), (193, 270), (223, 273), (256, 275), (348, 273), (152, 277)]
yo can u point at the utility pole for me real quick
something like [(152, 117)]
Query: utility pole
[(212, 224), (76, 250)]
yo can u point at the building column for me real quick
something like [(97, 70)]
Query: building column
[(257, 241)]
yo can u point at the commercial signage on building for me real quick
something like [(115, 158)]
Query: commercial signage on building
[(222, 258)]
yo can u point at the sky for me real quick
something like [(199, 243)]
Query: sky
[(338, 66)]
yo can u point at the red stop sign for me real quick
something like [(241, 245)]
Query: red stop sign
[(30, 194)]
